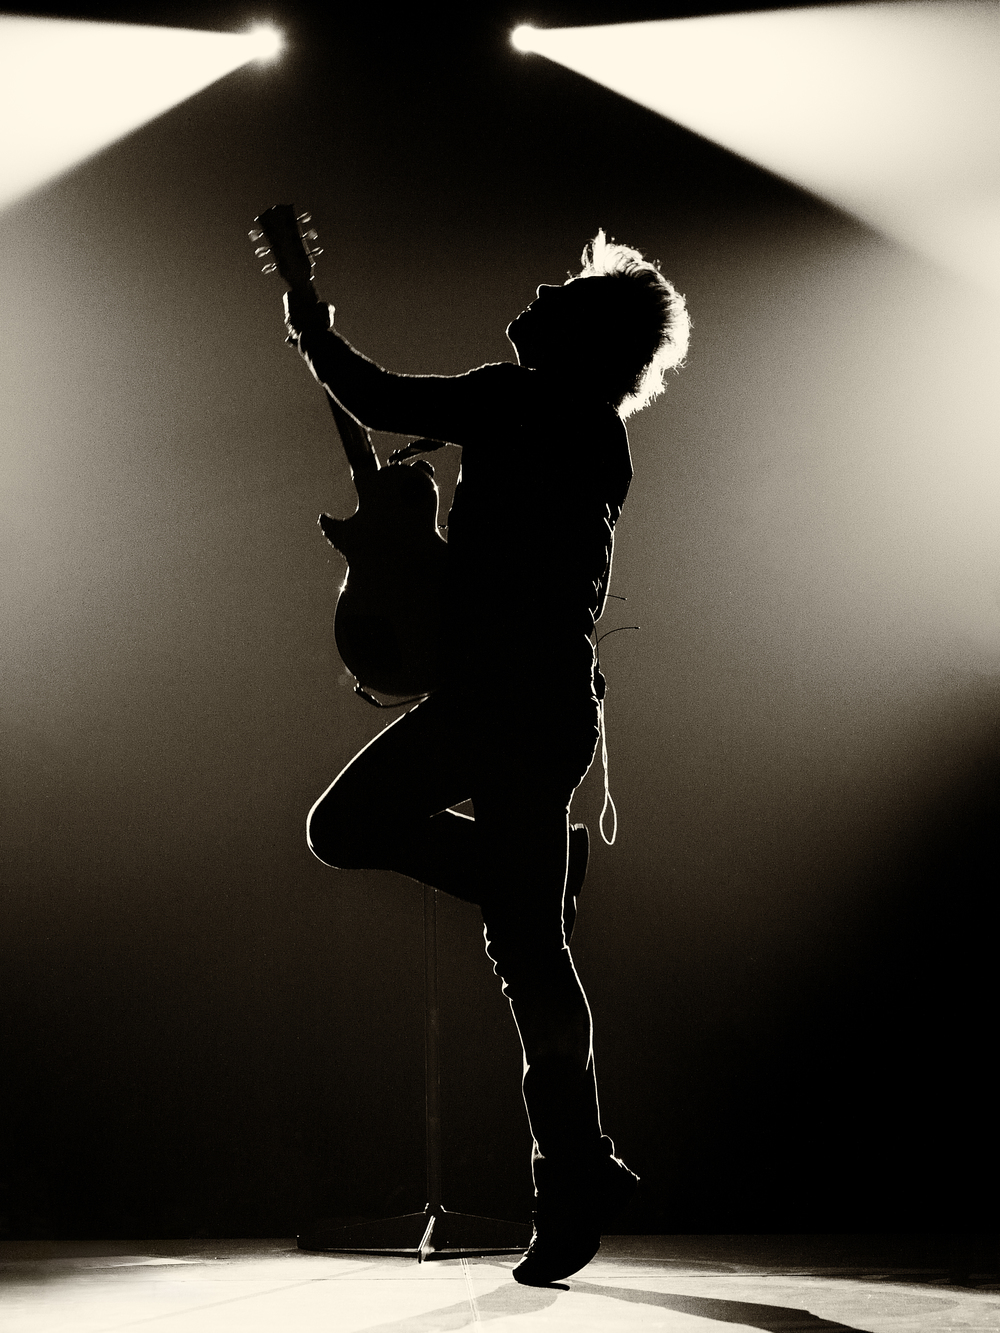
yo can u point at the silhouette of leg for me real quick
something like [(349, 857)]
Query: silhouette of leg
[(576, 873), (579, 1183), (388, 809), (525, 845)]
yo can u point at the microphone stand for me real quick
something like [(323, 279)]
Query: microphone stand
[(436, 1232)]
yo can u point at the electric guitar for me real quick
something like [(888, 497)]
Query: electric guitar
[(391, 620)]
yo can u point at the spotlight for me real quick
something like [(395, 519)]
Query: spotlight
[(267, 41), (70, 87), (889, 110)]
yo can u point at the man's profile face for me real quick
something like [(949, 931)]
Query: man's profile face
[(550, 323)]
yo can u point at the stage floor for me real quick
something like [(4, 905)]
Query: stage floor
[(685, 1284)]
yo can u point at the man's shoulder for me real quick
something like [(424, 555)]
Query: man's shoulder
[(503, 389), (499, 373)]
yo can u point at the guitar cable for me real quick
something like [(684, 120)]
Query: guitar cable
[(601, 689)]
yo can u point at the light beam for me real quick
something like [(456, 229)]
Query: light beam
[(69, 88), (891, 111)]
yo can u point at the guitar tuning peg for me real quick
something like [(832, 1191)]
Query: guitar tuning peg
[(304, 218), (255, 235), (311, 235), (316, 250), (269, 268), (261, 251)]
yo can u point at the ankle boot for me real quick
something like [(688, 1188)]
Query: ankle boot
[(575, 1199)]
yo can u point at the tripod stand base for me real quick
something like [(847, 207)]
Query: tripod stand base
[(433, 1234)]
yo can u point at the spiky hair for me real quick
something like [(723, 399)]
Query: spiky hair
[(646, 317)]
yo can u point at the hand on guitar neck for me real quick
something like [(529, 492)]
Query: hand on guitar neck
[(305, 313)]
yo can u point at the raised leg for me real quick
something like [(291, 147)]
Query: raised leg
[(388, 809)]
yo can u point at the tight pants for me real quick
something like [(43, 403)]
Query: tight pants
[(519, 762)]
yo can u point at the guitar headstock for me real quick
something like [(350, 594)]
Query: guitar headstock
[(292, 251)]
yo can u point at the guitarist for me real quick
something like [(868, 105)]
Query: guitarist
[(545, 472)]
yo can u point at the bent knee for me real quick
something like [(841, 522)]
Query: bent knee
[(338, 835)]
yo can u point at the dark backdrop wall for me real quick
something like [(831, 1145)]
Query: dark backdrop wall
[(788, 951)]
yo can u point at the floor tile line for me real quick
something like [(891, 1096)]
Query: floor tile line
[(210, 1305), (467, 1274)]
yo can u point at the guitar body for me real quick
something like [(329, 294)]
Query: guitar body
[(391, 624)]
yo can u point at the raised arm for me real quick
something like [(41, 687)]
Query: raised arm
[(441, 407)]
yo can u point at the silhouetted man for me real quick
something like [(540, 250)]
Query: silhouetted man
[(545, 472)]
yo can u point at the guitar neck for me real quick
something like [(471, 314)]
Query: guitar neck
[(354, 437), (279, 226)]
